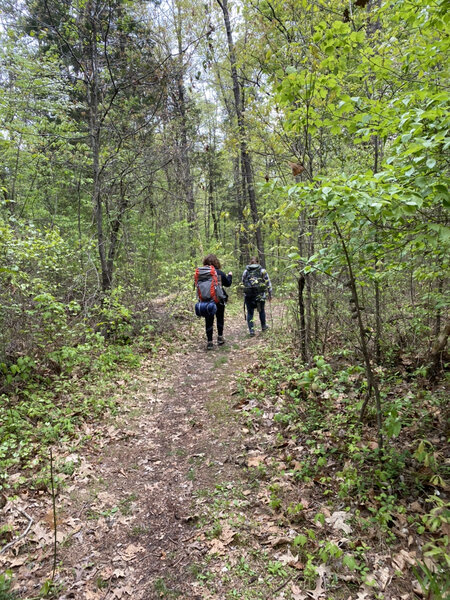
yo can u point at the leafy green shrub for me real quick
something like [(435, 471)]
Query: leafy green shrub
[(115, 318)]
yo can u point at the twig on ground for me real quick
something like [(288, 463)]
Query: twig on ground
[(190, 537), (81, 511), (30, 522), (178, 562), (280, 587), (173, 541)]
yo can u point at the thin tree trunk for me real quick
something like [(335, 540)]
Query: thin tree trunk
[(378, 325), (115, 228), (242, 232), (372, 382), (301, 305), (437, 351), (378, 320), (95, 140), (184, 159), (243, 227), (437, 322), (301, 291), (211, 202), (245, 157)]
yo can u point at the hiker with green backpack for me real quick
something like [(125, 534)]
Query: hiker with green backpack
[(209, 282), (257, 288)]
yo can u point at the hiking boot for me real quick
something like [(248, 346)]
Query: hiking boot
[(252, 332), (265, 328), (220, 340), (209, 346)]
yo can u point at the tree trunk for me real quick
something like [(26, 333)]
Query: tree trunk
[(241, 234), (302, 283), (184, 158), (115, 228), (93, 100), (378, 320), (372, 382), (244, 256), (211, 203), (437, 351), (245, 157), (301, 305)]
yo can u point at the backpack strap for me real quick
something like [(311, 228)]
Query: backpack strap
[(196, 284), (213, 283)]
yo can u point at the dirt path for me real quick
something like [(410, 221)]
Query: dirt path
[(192, 492), (132, 522)]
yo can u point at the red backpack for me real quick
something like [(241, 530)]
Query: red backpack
[(208, 284)]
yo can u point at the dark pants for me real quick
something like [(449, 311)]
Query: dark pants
[(259, 305), (209, 322)]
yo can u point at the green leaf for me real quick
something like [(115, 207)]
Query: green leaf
[(350, 562)]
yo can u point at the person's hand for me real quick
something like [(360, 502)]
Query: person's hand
[(230, 273)]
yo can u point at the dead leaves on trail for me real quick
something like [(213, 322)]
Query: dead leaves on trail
[(80, 525), (243, 509), (339, 520), (287, 517), (218, 545), (129, 553), (256, 460)]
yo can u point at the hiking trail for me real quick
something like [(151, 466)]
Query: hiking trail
[(130, 522)]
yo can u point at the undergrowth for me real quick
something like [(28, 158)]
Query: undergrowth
[(398, 493), (45, 399)]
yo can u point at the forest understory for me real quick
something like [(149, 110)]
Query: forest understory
[(236, 474), (302, 148)]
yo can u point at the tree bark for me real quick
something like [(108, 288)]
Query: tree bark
[(301, 305), (212, 205), (184, 158), (304, 308), (437, 351), (246, 165), (115, 228), (93, 100), (372, 382)]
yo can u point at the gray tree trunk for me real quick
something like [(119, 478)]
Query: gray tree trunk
[(246, 164)]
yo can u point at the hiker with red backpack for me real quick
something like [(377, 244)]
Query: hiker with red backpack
[(209, 282), (257, 288)]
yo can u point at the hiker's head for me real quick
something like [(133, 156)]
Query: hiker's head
[(211, 259), (254, 260)]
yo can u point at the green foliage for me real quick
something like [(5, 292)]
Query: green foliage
[(435, 585), (5, 586), (48, 343), (276, 569), (326, 416), (368, 113), (163, 590), (360, 101), (50, 589)]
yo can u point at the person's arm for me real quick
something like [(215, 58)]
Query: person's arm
[(268, 284), (226, 279)]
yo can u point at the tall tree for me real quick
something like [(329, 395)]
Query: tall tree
[(246, 163), (184, 153), (109, 58)]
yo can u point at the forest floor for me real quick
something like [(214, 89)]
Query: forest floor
[(178, 497)]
